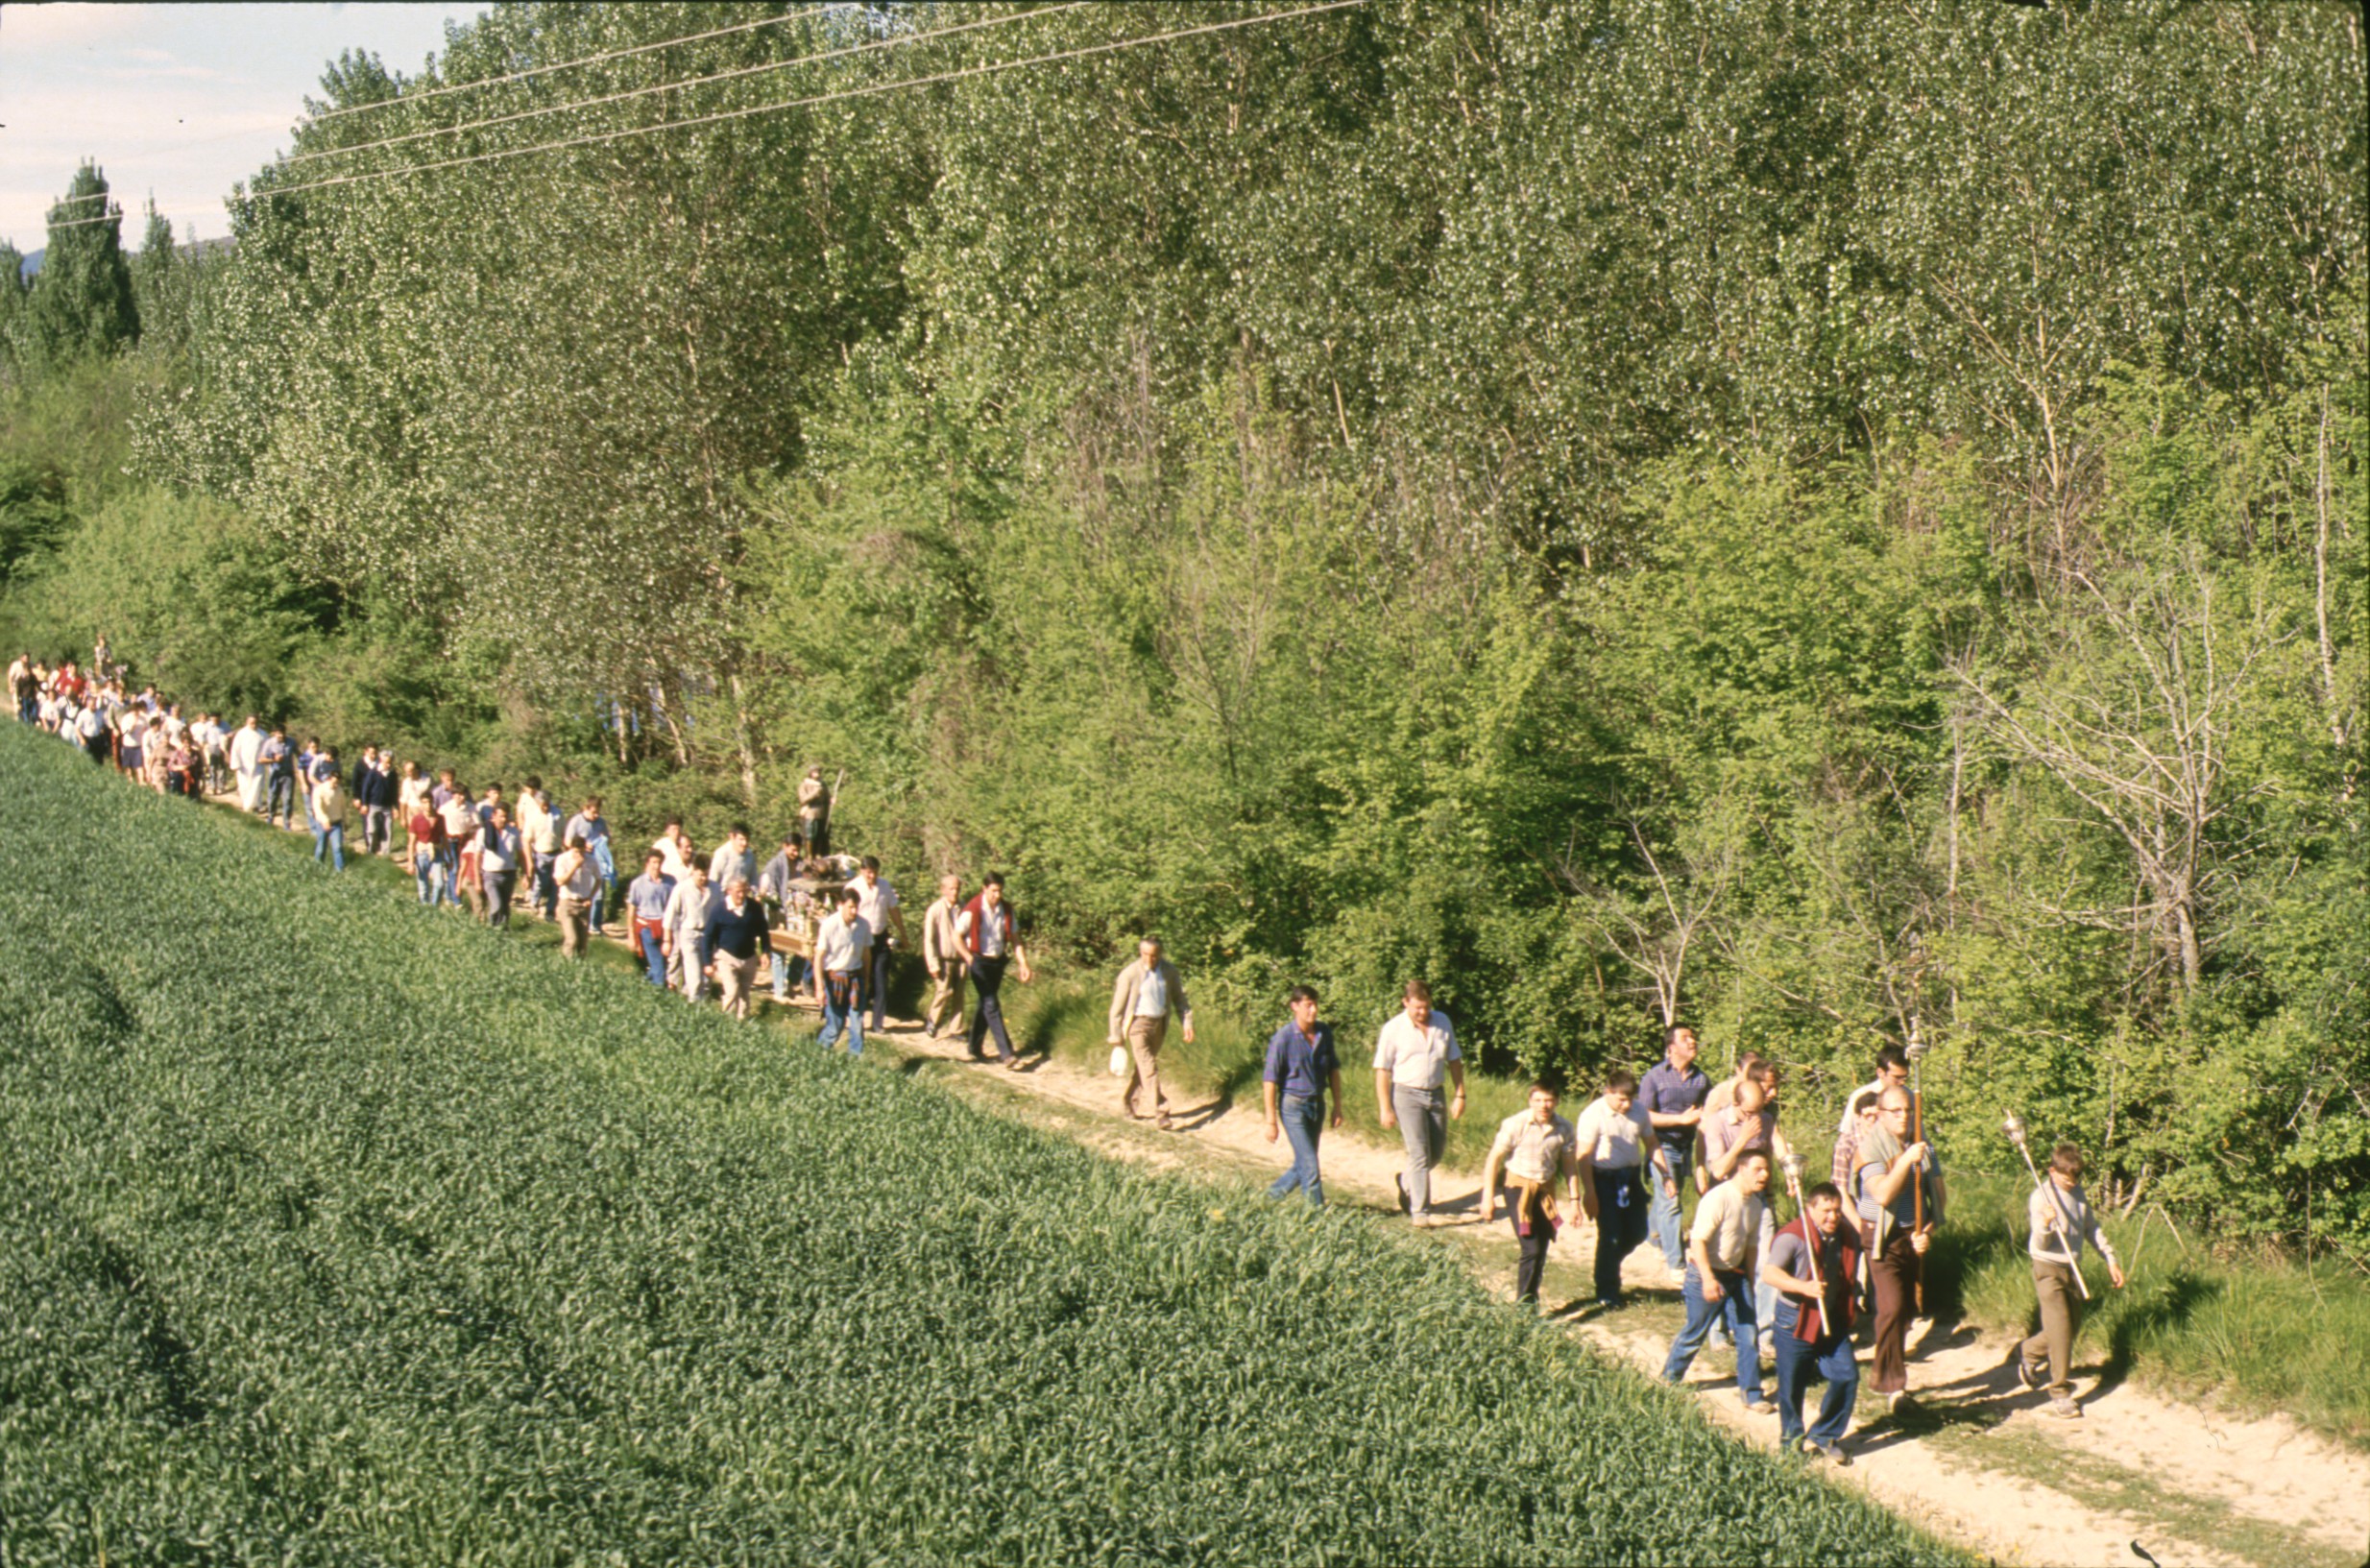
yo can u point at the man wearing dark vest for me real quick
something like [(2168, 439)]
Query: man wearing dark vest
[(1811, 1264)]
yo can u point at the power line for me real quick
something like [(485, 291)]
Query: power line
[(569, 64), (872, 91), (689, 82)]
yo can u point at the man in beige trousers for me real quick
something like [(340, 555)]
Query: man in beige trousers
[(1148, 991), (943, 956)]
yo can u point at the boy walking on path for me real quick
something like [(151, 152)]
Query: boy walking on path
[(1300, 1065), (1721, 1268), (1146, 992), (1615, 1139), (2059, 1221), (1672, 1094), (1810, 1264), (1416, 1048), (1536, 1149)]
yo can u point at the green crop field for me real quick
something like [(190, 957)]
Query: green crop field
[(335, 1232)]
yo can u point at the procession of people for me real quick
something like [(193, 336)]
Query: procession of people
[(1835, 1275)]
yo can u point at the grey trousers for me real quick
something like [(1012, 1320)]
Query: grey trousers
[(1423, 1127)]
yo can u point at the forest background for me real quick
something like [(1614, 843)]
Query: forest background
[(1834, 522)]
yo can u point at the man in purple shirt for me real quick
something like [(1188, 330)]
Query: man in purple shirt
[(1672, 1094), (1300, 1065)]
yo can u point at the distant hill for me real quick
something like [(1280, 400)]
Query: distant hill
[(203, 247)]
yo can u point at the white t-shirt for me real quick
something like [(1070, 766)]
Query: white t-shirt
[(874, 902)]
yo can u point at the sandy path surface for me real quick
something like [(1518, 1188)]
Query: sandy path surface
[(2129, 1447)]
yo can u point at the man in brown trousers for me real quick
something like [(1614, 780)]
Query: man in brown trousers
[(1148, 991), (943, 956), (2059, 1221)]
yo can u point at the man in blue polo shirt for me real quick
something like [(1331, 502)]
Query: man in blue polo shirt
[(1300, 1065), (1672, 1094)]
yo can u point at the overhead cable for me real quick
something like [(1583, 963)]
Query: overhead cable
[(873, 90), (566, 64), (688, 82)]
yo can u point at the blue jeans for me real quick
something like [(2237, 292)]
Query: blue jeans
[(1662, 1214), (1620, 1225), (279, 802), (427, 870), (1736, 1304), (877, 981), (843, 1011), (1303, 1122), (654, 955), (451, 856), (788, 967), (546, 890), (987, 1009), (1798, 1362), (329, 840)]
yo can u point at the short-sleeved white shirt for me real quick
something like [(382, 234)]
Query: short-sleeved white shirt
[(1417, 1058), (1610, 1140)]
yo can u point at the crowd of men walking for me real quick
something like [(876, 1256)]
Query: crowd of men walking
[(1849, 1263)]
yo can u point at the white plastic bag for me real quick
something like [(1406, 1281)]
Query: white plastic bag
[(1119, 1061)]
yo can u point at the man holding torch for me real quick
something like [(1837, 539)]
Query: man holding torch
[(2059, 1220)]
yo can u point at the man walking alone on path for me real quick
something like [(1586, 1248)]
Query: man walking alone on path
[(2058, 1221), (990, 929), (1147, 990), (942, 954), (1413, 1050), (1616, 1141), (1537, 1150), (1300, 1065), (1885, 1180), (1673, 1096)]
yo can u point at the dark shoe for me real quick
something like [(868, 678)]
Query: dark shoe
[(1400, 1182), (2028, 1375)]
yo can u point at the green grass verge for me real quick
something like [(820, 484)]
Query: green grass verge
[(337, 1230)]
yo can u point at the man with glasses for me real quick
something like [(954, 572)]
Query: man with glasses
[(1892, 1179)]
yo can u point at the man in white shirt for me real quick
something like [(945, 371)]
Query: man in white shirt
[(1615, 1137), (1723, 1253), (1412, 1053), (1535, 1150), (877, 901), (989, 930), (539, 825), (686, 929), (1141, 1001), (246, 747), (842, 944), (733, 859)]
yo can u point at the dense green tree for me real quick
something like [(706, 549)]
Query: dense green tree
[(81, 305)]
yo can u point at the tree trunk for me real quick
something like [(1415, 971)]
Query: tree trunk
[(741, 742)]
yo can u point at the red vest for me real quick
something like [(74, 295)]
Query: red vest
[(1809, 1324), (978, 911)]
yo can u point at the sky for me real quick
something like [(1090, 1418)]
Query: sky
[(178, 101)]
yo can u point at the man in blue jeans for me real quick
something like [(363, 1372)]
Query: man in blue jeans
[(647, 897), (1615, 1142), (843, 947), (1811, 1265), (1300, 1064), (1672, 1097), (1721, 1273)]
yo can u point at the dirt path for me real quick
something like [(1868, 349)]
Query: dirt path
[(1981, 1466)]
